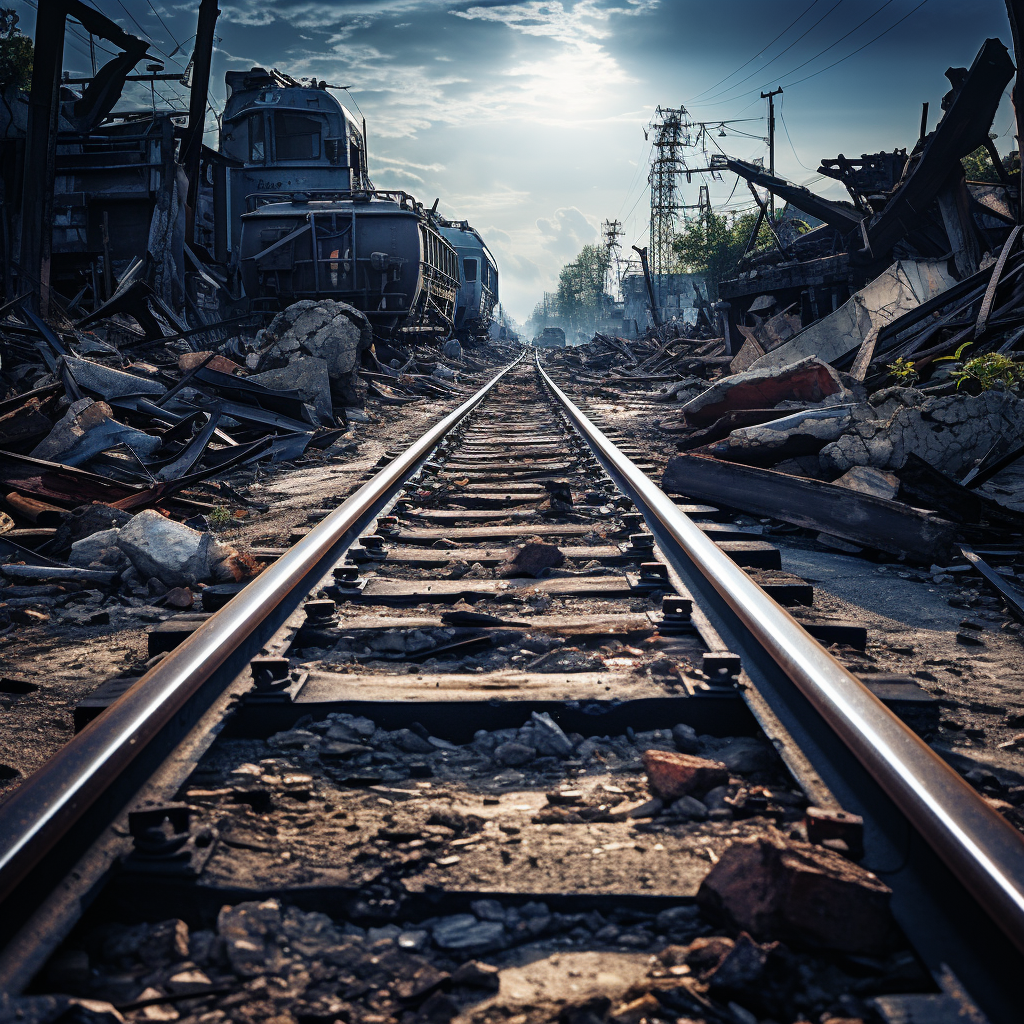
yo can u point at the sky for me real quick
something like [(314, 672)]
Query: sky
[(528, 118)]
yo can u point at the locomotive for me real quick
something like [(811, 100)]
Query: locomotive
[(306, 221)]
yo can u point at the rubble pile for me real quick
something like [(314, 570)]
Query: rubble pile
[(112, 426), (776, 928)]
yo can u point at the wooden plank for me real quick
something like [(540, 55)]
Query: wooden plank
[(325, 687), (412, 592), (783, 587), (563, 625), (861, 518), (424, 558), (453, 515), (758, 554), (431, 536)]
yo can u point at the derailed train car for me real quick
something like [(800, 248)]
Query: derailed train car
[(306, 222), (478, 278)]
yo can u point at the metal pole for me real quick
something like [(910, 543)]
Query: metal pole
[(192, 144), (650, 287), (1015, 12), (770, 97)]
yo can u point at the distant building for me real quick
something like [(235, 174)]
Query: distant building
[(674, 294)]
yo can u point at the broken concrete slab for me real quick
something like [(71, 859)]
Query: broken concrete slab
[(307, 375), (109, 383), (81, 417), (671, 775), (801, 433), (772, 886), (815, 505), (189, 361), (950, 432), (171, 552), (806, 380), (324, 329), (870, 481), (904, 286)]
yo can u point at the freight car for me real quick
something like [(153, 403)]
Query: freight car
[(378, 251), (478, 279)]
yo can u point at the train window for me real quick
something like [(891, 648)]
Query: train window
[(469, 269), (257, 140), (296, 137)]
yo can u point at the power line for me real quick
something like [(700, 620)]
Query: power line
[(164, 23), (859, 48), (759, 52), (757, 71)]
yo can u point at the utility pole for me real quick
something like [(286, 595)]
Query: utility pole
[(770, 97), (611, 232)]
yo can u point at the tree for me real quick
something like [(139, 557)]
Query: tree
[(16, 53), (580, 294), (978, 166), (712, 246)]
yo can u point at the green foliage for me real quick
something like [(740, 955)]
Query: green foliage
[(991, 371), (16, 53), (904, 371), (219, 516), (978, 166), (580, 292), (712, 247)]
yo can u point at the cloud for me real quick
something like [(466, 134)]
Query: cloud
[(566, 232)]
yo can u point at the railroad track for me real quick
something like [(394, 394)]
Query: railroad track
[(417, 708)]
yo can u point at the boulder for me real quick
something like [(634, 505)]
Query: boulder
[(324, 329), (465, 934), (174, 554), (452, 349), (514, 754), (84, 521), (808, 380), (307, 375), (671, 775), (543, 734), (771, 886)]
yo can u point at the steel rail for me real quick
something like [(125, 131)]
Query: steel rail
[(50, 802), (982, 850)]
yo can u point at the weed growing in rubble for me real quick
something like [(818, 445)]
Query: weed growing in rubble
[(904, 371), (219, 516), (993, 370)]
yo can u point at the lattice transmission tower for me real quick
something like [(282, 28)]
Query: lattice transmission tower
[(671, 127), (611, 232)]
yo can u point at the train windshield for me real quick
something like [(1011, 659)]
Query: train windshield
[(469, 269), (296, 137)]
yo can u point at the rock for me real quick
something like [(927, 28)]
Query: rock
[(189, 982), (443, 373), (870, 481), (91, 549), (324, 329), (514, 754), (452, 349), (86, 520), (807, 380), (173, 553), (308, 376), (54, 1009), (294, 739), (464, 933), (676, 919), (802, 433), (671, 775), (647, 810), (690, 808), (547, 737), (746, 754), (475, 974), (188, 361), (438, 1009), (740, 968), (178, 597), (248, 931), (773, 886), (531, 559), (417, 977), (164, 943), (410, 742), (488, 910), (707, 952), (685, 738), (646, 1007)]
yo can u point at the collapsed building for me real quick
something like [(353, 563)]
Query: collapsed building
[(914, 228)]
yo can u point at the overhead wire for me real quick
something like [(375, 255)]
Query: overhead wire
[(759, 52), (757, 71)]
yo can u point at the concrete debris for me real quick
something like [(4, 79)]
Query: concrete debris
[(324, 329), (173, 553), (673, 775), (310, 377), (532, 559)]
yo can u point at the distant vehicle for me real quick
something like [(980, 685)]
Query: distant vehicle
[(478, 278), (550, 337)]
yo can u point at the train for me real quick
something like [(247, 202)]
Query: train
[(306, 222)]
